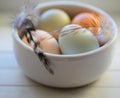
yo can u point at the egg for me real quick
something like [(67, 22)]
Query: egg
[(70, 27), (76, 40), (55, 34), (53, 19), (91, 21), (103, 37), (46, 41)]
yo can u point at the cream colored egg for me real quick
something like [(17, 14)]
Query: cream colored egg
[(53, 19)]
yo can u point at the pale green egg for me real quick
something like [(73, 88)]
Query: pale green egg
[(53, 19), (75, 41)]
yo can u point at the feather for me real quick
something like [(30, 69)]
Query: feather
[(28, 11)]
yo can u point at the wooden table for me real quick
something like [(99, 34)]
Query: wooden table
[(14, 84)]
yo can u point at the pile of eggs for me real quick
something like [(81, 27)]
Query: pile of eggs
[(57, 33)]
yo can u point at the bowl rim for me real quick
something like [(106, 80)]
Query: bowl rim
[(71, 3)]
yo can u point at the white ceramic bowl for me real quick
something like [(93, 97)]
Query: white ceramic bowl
[(69, 70)]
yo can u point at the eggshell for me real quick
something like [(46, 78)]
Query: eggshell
[(46, 41), (70, 27), (55, 34), (91, 21), (53, 19), (103, 37), (75, 41)]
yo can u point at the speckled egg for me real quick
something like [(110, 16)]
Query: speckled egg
[(91, 21), (53, 19), (76, 40)]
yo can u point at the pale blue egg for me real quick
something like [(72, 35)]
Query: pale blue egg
[(75, 41)]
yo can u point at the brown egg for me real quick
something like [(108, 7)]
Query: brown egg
[(46, 41), (90, 21)]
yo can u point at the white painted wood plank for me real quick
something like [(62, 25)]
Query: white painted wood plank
[(109, 79), (14, 77), (8, 60), (5, 39), (116, 59), (115, 64), (45, 92)]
